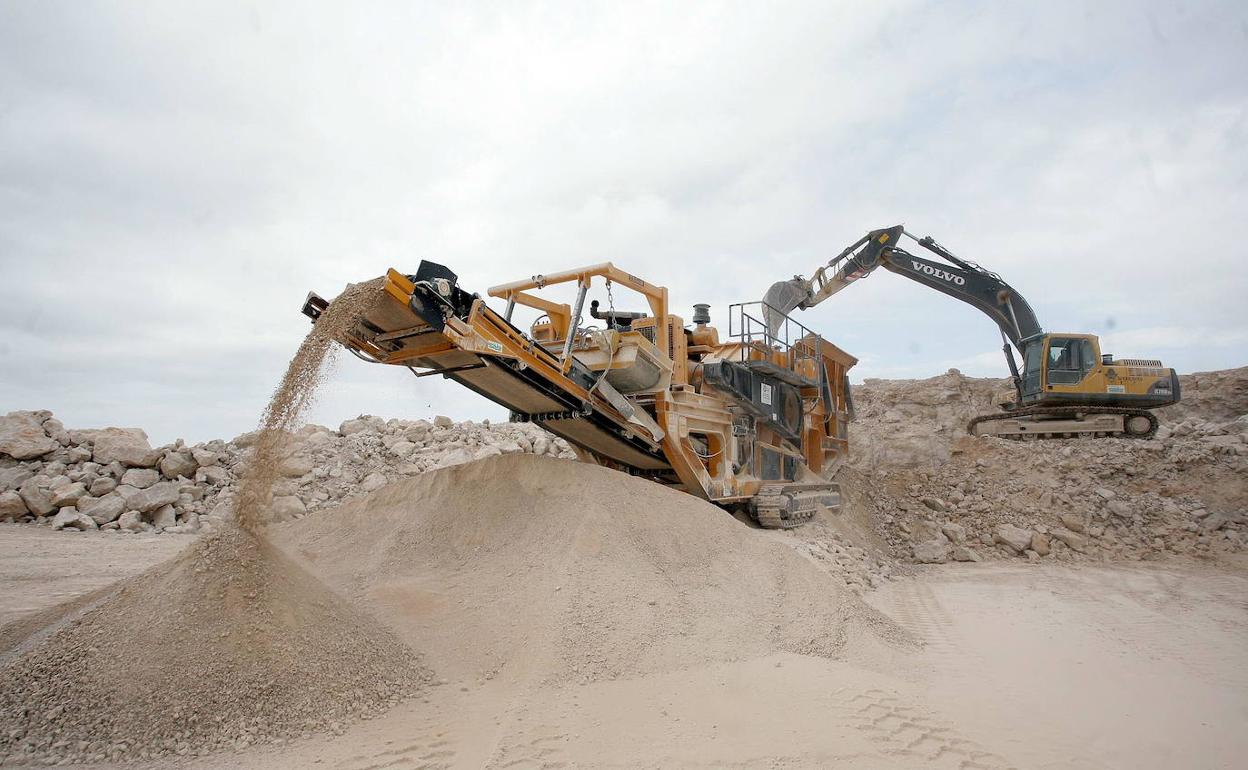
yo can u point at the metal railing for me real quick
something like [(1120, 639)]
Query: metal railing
[(759, 326)]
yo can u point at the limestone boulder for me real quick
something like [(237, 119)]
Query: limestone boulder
[(932, 551), (163, 517), (212, 474), (155, 496), (104, 509), (295, 466), (287, 507), (1015, 538), (140, 478), (963, 553), (12, 478), (12, 505), (22, 436), (71, 518), (955, 532), (37, 497), (1073, 522), (204, 457), (1073, 540), (175, 464), (373, 481), (128, 446), (102, 486), (1040, 544), (68, 494)]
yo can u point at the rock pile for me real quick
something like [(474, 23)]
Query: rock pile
[(940, 495), (114, 480)]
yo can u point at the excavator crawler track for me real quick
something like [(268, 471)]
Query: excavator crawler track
[(787, 505), (1068, 413)]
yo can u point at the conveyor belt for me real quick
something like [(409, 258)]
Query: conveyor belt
[(537, 401)]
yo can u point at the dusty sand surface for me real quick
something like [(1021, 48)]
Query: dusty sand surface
[(40, 568), (1026, 666)]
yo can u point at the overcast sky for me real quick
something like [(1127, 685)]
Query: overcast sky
[(175, 176)]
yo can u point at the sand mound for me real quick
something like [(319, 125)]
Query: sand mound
[(228, 644), (553, 569)]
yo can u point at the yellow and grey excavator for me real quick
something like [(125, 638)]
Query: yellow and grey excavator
[(754, 420), (1067, 387)]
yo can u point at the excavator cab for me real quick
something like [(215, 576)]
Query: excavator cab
[(1053, 360)]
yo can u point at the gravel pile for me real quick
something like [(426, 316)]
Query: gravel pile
[(227, 645)]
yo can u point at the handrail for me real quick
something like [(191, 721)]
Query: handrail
[(755, 324)]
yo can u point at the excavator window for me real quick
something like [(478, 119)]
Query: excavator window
[(1031, 368), (1070, 359)]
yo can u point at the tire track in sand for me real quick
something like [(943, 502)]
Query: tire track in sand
[(913, 734)]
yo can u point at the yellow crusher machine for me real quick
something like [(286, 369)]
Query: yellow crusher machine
[(756, 420)]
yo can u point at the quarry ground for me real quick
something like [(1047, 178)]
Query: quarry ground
[(409, 594), (1018, 665)]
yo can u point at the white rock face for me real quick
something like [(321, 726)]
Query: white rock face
[(22, 435)]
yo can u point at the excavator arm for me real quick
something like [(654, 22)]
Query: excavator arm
[(955, 277)]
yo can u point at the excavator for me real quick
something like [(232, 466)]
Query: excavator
[(755, 420), (1066, 387)]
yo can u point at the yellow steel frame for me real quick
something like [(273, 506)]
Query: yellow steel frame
[(560, 314)]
